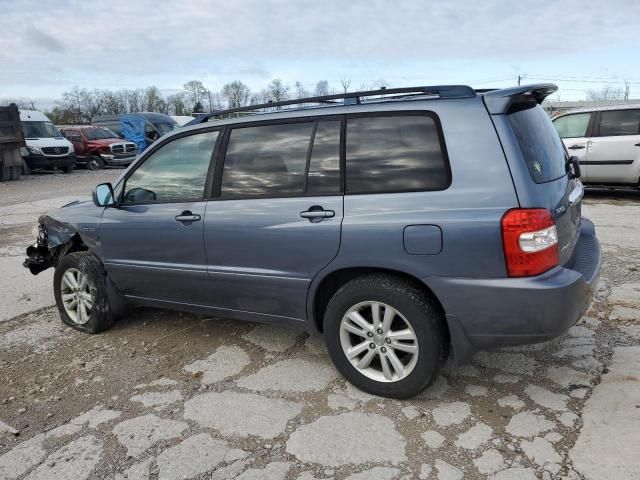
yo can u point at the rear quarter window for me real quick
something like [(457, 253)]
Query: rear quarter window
[(395, 153), (541, 147)]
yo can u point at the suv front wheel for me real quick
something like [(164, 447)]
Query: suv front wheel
[(80, 290), (385, 335)]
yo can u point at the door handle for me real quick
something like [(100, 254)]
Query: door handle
[(576, 147), (187, 217), (316, 214), (636, 144)]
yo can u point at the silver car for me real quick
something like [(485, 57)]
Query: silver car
[(606, 141)]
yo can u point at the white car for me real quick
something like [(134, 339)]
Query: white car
[(46, 146), (606, 141)]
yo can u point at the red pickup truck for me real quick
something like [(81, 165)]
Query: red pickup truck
[(97, 147)]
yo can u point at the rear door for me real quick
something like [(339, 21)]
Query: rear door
[(614, 152), (276, 219), (550, 186), (574, 130), (152, 243)]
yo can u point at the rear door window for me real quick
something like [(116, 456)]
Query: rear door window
[(540, 144), (267, 160), (615, 123), (395, 153), (572, 126), (283, 160)]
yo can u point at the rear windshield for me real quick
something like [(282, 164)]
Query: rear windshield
[(540, 143)]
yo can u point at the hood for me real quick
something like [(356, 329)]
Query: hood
[(49, 142), (105, 142)]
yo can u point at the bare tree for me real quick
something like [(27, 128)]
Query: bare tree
[(277, 90), (176, 104), (607, 93), (195, 91), (346, 83), (322, 88), (22, 103), (301, 92), (153, 101), (72, 103), (236, 94), (136, 100)]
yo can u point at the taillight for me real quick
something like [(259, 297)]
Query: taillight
[(530, 241)]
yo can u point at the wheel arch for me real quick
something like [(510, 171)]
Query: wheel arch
[(322, 289)]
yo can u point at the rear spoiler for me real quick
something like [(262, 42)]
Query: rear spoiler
[(501, 101)]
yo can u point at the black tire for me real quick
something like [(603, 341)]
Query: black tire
[(101, 316), (68, 169), (418, 309), (16, 173), (94, 163)]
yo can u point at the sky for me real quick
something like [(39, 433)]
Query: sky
[(48, 47)]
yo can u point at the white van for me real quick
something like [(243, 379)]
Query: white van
[(46, 146)]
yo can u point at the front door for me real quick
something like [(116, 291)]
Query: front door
[(75, 137), (613, 154), (573, 129), (152, 242), (276, 221)]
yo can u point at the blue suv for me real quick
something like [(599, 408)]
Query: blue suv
[(404, 224)]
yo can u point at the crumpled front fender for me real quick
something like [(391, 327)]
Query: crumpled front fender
[(70, 227)]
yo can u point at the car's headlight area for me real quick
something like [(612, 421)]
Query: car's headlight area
[(39, 231), (34, 150)]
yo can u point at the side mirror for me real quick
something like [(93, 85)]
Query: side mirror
[(103, 195)]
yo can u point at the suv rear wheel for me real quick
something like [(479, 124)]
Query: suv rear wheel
[(80, 289), (385, 335)]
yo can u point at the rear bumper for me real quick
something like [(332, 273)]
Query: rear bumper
[(43, 161), (498, 312)]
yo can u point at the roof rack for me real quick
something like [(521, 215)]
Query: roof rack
[(351, 98)]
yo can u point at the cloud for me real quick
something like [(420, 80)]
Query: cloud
[(136, 43), (42, 41)]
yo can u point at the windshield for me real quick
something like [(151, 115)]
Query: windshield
[(98, 133), (40, 130), (542, 149), (164, 128)]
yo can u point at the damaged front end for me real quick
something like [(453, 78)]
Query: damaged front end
[(59, 233), (39, 257)]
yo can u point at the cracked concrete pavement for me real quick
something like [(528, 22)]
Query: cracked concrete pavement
[(165, 395)]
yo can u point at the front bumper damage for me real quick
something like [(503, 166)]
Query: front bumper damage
[(53, 239), (38, 259)]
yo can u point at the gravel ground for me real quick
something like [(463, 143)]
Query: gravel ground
[(165, 395)]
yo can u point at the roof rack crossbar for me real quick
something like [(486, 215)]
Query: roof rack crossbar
[(350, 98)]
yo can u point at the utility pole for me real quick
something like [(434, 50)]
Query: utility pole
[(519, 78), (626, 90)]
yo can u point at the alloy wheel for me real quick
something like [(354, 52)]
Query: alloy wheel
[(379, 341), (76, 296)]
